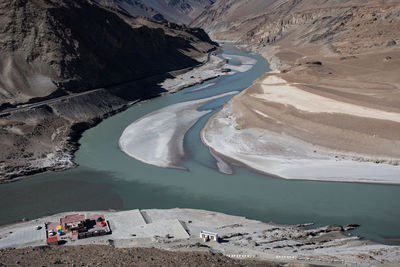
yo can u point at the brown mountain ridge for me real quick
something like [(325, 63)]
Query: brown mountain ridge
[(85, 61)]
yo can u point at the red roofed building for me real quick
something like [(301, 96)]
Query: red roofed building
[(73, 222), (75, 227)]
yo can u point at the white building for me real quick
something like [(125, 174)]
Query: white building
[(207, 236)]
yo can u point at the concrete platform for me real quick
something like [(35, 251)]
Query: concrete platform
[(24, 237), (124, 223), (179, 229), (172, 227)]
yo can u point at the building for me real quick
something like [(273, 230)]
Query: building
[(51, 233), (76, 226), (96, 225), (207, 236), (73, 222)]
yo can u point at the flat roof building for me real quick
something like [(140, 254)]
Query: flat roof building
[(207, 236), (73, 222), (76, 226)]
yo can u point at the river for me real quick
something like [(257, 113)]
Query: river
[(109, 179)]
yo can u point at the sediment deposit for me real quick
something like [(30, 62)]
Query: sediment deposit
[(333, 94), (157, 138)]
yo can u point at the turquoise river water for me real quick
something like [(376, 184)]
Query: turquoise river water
[(108, 179)]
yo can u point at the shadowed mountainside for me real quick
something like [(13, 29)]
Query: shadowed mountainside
[(77, 46), (85, 63), (179, 11)]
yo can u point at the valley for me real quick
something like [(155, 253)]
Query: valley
[(283, 114), (51, 93)]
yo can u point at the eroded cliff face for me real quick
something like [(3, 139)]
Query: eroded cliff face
[(65, 65), (178, 11), (345, 25)]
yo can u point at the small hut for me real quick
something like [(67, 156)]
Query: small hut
[(208, 236)]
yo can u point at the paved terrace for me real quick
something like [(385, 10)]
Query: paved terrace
[(125, 225)]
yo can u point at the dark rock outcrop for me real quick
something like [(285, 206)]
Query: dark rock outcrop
[(66, 65), (78, 46)]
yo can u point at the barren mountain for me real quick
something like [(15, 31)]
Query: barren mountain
[(179, 11), (260, 22), (77, 46), (63, 52), (336, 68)]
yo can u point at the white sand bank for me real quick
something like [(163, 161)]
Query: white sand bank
[(246, 63), (202, 87), (211, 69), (157, 138), (241, 59), (287, 157)]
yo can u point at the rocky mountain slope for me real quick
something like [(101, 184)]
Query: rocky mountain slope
[(337, 66), (258, 22), (90, 255), (179, 11), (78, 46), (79, 62)]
